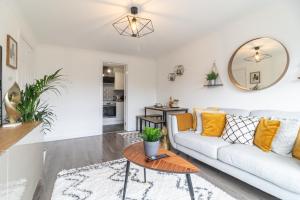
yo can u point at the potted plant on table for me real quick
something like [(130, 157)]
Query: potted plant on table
[(212, 78), (151, 137)]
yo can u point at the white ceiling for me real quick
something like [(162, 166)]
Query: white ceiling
[(88, 23)]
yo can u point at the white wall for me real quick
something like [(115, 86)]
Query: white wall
[(280, 21), (12, 23), (78, 110)]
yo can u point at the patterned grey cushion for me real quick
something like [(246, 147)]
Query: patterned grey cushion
[(239, 129)]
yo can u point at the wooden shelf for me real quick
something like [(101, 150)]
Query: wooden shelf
[(10, 136), (217, 85)]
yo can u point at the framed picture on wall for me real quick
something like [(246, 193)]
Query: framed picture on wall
[(11, 52), (254, 77)]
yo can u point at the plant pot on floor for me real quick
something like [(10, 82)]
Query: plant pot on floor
[(151, 148)]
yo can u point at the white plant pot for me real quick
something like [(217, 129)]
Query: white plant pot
[(151, 148)]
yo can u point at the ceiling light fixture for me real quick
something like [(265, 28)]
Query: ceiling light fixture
[(258, 56), (134, 26)]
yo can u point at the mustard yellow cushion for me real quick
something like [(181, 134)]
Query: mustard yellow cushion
[(296, 149), (265, 133), (185, 121), (213, 124), (200, 110)]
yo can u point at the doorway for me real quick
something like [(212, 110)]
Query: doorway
[(114, 93)]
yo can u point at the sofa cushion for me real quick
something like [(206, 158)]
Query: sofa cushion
[(296, 149), (202, 144), (236, 112), (184, 121), (285, 138), (275, 114), (279, 170), (265, 133), (197, 112), (213, 124), (240, 129)]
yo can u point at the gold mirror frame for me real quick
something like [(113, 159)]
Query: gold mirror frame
[(231, 77)]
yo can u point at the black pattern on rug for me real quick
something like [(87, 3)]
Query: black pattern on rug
[(105, 181)]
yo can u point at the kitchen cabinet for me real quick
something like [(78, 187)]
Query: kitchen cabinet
[(119, 79)]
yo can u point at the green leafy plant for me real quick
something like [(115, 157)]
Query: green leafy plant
[(32, 108), (151, 134), (212, 76)]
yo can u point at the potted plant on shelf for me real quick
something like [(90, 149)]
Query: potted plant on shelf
[(31, 106), (212, 78), (151, 137)]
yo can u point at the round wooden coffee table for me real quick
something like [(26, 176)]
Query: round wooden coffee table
[(173, 164)]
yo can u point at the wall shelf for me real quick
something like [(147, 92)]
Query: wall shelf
[(216, 85)]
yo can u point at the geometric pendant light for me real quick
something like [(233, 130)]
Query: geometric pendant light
[(134, 26), (258, 56)]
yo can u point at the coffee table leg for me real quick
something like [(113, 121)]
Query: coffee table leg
[(126, 179), (145, 175), (190, 185)]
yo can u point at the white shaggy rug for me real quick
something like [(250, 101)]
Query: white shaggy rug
[(131, 137), (105, 182)]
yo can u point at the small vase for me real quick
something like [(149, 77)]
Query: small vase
[(151, 148), (210, 82)]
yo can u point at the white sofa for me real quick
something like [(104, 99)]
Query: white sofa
[(270, 172)]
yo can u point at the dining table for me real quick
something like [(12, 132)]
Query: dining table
[(165, 111)]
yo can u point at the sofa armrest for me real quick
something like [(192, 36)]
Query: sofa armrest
[(172, 129)]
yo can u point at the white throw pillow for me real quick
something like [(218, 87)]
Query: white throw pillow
[(284, 140), (239, 129)]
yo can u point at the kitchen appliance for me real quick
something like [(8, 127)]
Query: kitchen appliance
[(108, 80), (109, 109)]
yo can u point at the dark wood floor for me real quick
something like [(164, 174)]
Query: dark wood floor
[(113, 128), (74, 153)]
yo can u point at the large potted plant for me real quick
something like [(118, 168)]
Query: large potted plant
[(151, 137), (32, 108)]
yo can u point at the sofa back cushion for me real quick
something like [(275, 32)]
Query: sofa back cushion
[(236, 112), (239, 129), (275, 113), (184, 121), (265, 133)]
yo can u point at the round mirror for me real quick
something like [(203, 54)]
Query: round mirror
[(258, 64)]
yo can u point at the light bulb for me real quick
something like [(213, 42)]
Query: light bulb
[(109, 71), (257, 57), (133, 25)]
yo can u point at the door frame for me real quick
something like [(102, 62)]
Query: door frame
[(125, 67)]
